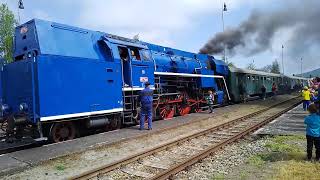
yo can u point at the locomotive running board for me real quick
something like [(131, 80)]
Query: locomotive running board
[(135, 88), (194, 75), (186, 75), (66, 116)]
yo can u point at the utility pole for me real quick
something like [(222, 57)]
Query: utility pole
[(282, 61), (224, 8), (301, 67), (20, 6)]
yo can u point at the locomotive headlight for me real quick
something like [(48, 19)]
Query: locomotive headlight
[(23, 107)]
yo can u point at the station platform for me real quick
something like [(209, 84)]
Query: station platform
[(20, 160), (290, 123)]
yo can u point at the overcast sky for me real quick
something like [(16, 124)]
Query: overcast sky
[(181, 24)]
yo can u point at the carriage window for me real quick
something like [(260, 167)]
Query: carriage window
[(135, 54), (265, 78), (248, 77)]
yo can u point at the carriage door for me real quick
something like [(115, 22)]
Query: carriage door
[(126, 66)]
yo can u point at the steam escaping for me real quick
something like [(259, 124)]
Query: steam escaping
[(256, 34)]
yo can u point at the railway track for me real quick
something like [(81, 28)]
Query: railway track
[(164, 161)]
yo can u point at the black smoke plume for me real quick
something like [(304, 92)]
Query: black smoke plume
[(256, 34)]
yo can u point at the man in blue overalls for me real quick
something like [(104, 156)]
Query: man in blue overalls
[(146, 99)]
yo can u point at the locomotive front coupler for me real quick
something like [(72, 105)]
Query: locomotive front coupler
[(14, 126)]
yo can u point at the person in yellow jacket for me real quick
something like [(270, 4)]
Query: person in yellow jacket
[(306, 97)]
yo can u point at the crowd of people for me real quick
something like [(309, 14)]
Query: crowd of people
[(311, 94), (311, 101)]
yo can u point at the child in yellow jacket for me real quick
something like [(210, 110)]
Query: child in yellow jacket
[(306, 98)]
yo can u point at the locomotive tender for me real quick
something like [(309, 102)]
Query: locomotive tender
[(66, 79)]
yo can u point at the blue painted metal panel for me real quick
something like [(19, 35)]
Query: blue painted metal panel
[(206, 82), (142, 71), (58, 39), (25, 39), (17, 86), (1, 80), (221, 67), (220, 95), (70, 85), (174, 63)]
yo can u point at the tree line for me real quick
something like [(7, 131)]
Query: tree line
[(7, 25), (274, 67)]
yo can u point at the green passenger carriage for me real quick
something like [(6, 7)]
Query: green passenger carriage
[(247, 83)]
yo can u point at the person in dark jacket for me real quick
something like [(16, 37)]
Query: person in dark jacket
[(242, 92), (313, 132), (210, 101), (274, 89), (146, 99), (263, 91)]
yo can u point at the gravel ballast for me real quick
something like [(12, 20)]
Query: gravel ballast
[(223, 162)]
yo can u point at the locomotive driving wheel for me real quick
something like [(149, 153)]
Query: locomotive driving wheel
[(62, 131), (184, 109), (115, 123), (197, 108), (166, 112)]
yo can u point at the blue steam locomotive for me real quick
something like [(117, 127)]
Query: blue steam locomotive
[(66, 80)]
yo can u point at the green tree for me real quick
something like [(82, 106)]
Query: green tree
[(275, 67), (251, 66), (7, 24), (230, 64), (266, 68), (272, 68)]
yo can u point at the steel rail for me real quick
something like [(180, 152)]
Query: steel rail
[(96, 172)]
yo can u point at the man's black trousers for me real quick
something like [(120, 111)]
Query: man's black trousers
[(310, 142)]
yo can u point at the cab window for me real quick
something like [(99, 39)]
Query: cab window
[(105, 51), (135, 54), (146, 56), (123, 53)]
